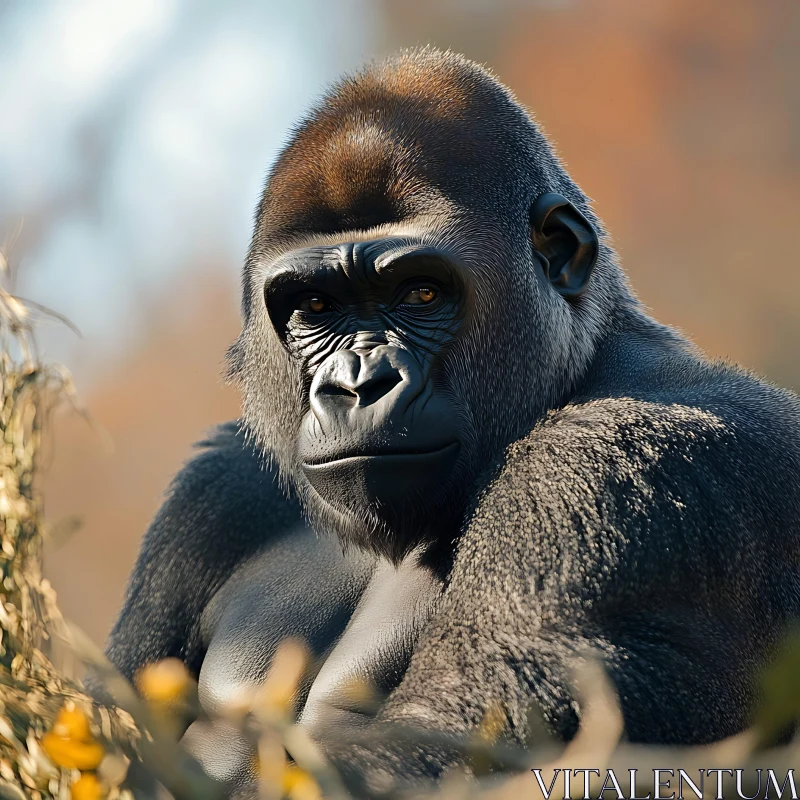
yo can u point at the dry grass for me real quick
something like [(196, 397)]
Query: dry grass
[(32, 690)]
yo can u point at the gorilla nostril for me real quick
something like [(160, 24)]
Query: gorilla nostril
[(348, 379), (365, 394), (336, 390), (372, 390)]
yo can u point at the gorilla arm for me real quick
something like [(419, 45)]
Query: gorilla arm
[(627, 527), (225, 514), (221, 508), (227, 570)]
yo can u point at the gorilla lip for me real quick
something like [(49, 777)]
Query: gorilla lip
[(387, 480), (400, 457)]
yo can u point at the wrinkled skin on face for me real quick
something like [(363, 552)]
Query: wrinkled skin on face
[(368, 324)]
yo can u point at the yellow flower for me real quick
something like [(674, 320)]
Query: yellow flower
[(276, 695), (71, 754), (72, 723), (165, 681), (70, 744), (88, 787), (297, 784)]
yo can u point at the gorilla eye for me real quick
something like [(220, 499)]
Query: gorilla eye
[(420, 297), (313, 305)]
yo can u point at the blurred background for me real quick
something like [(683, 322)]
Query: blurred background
[(135, 137)]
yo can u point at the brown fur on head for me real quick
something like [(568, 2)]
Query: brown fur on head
[(428, 145)]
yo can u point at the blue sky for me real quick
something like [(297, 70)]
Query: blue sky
[(136, 136)]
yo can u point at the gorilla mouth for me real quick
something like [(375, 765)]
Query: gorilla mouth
[(397, 458), (385, 479)]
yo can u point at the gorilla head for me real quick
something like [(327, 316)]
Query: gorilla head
[(424, 282)]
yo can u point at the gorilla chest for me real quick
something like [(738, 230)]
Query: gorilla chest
[(360, 618), (300, 586)]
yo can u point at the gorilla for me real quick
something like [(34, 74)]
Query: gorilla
[(466, 455)]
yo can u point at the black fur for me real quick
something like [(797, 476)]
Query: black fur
[(652, 520), (221, 509), (617, 490)]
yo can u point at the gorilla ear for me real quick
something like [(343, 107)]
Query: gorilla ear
[(566, 240)]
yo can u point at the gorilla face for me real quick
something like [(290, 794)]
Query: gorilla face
[(414, 301), (385, 373), (368, 324)]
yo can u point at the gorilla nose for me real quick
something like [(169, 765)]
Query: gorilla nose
[(366, 379), (382, 381)]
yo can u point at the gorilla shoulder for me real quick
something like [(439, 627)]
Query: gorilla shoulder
[(222, 507)]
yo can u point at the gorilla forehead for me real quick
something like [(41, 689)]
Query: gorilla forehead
[(463, 243), (356, 260), (376, 129), (384, 138)]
